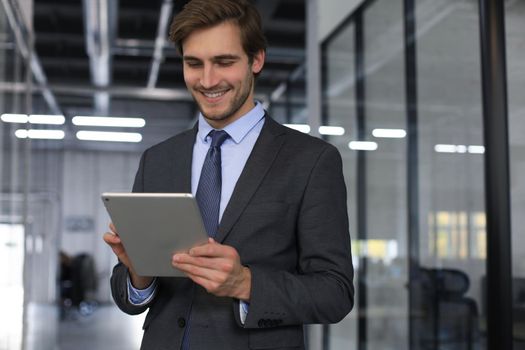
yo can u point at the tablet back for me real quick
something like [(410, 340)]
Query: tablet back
[(153, 226)]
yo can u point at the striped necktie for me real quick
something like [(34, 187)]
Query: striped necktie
[(209, 190)]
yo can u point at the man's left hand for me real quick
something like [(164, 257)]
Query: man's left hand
[(217, 268)]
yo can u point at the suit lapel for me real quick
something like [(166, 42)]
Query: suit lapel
[(183, 151), (262, 157)]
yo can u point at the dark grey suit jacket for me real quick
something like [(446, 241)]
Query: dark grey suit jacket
[(287, 218)]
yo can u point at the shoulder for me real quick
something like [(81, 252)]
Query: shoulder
[(175, 143), (298, 142)]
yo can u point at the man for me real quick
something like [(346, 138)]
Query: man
[(280, 253)]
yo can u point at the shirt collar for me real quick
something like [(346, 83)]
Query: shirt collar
[(238, 129)]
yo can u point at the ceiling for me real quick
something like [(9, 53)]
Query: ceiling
[(108, 57)]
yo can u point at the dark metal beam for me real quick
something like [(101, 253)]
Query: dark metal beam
[(412, 179), (497, 195), (361, 195)]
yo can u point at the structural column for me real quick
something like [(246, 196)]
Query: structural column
[(495, 128)]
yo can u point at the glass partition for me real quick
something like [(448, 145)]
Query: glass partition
[(515, 27), (29, 200), (366, 74), (12, 247), (385, 176), (339, 112), (451, 202)]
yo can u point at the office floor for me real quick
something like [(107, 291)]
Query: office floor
[(106, 328)]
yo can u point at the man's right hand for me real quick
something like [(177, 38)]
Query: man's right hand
[(113, 240)]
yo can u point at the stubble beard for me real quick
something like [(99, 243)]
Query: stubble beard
[(236, 103)]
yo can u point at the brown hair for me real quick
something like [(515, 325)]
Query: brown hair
[(198, 14)]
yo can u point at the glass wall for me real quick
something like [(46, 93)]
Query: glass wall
[(339, 111), (384, 113), (29, 202), (12, 250), (418, 287), (515, 27), (451, 202)]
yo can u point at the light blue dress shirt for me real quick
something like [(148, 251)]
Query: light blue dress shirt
[(234, 154)]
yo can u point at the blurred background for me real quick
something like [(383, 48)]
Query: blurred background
[(396, 85)]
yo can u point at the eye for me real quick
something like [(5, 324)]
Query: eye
[(193, 64), (226, 63)]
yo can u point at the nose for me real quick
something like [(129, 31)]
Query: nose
[(209, 77)]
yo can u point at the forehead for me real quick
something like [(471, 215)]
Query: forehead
[(221, 39)]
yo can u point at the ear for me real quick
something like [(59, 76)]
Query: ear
[(258, 61)]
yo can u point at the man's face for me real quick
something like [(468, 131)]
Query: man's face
[(218, 74)]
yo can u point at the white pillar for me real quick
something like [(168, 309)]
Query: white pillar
[(313, 66)]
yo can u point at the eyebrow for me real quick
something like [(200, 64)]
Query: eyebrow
[(214, 58), (226, 57)]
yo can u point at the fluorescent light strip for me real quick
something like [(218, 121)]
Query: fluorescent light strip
[(332, 130), (109, 136), (14, 118), (40, 134), (323, 130), (109, 121), (476, 149), (446, 148), (304, 128), (362, 145), (389, 133), (461, 149), (33, 119), (47, 119)]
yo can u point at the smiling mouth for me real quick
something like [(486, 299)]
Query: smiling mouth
[(214, 94)]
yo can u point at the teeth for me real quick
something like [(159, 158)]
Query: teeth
[(214, 94)]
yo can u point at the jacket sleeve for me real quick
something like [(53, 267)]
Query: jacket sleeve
[(321, 290)]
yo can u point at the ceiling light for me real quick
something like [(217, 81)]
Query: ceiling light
[(461, 149), (109, 136), (47, 119), (444, 148), (304, 128), (389, 133), (109, 121), (14, 118), (476, 149), (40, 134), (332, 130), (362, 145)]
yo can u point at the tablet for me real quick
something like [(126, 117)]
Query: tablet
[(153, 226)]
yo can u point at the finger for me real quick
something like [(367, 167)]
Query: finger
[(115, 243), (203, 262), (194, 271), (111, 238), (201, 243), (112, 227), (211, 250)]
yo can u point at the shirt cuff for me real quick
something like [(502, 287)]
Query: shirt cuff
[(243, 310), (139, 297)]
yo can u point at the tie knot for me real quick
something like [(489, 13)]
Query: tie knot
[(218, 137)]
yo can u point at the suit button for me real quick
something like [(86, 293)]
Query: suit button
[(182, 322)]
